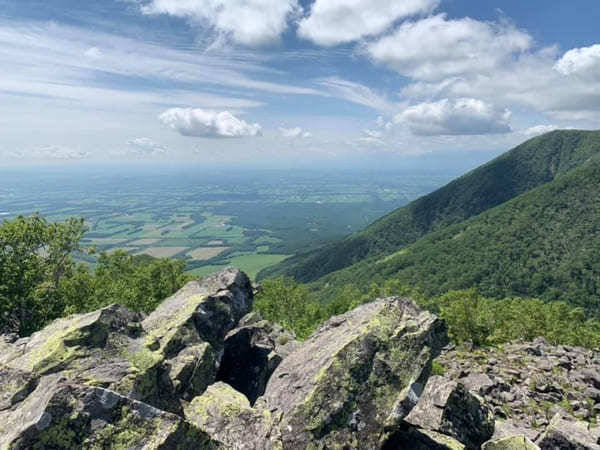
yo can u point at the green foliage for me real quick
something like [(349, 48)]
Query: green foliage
[(471, 317), (487, 321), (40, 281), (35, 257), (531, 164), (286, 302)]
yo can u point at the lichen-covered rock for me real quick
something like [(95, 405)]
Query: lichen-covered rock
[(566, 434), (449, 408), (226, 415), (193, 369), (171, 355), (518, 442), (413, 438), (62, 415), (251, 354), (202, 311), (356, 378)]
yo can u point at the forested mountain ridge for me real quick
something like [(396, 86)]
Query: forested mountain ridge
[(544, 243), (531, 164)]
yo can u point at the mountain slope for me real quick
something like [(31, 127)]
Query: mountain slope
[(531, 164), (544, 243)]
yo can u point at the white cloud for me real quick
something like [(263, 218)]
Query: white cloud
[(436, 48), (58, 152), (584, 61), (209, 124), (465, 116), (333, 22), (293, 133), (145, 146), (538, 129), (248, 22), (357, 93)]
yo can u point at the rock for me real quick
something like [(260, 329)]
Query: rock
[(226, 415), (569, 434), (252, 352), (193, 369), (479, 383), (517, 442), (413, 438), (356, 378), (159, 360), (507, 428), (202, 311), (448, 407), (62, 415)]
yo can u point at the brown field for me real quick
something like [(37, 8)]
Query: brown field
[(204, 253), (146, 241), (162, 252)]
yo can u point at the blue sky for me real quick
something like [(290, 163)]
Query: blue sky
[(288, 81)]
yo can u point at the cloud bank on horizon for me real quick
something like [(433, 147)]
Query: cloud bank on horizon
[(288, 78)]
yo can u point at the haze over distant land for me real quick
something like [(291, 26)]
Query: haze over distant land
[(280, 83)]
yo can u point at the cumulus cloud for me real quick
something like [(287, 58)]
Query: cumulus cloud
[(294, 133), (145, 146), (584, 61), (247, 22), (436, 48), (333, 22), (208, 124), (466, 116)]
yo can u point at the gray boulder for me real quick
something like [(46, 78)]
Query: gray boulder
[(356, 378), (448, 407), (226, 415), (62, 415), (568, 434), (518, 442)]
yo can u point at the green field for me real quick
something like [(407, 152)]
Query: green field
[(248, 219)]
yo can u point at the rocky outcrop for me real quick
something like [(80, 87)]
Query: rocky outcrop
[(62, 415), (356, 378), (162, 360), (527, 384), (203, 372), (447, 407)]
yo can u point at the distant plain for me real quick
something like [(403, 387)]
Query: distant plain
[(247, 218)]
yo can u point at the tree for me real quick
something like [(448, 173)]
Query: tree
[(34, 257)]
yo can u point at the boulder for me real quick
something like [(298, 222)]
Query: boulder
[(414, 438), (251, 354), (61, 415), (569, 434), (226, 415), (170, 355), (356, 378), (448, 407), (518, 442), (202, 311)]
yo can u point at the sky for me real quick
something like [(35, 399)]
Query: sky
[(290, 82)]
